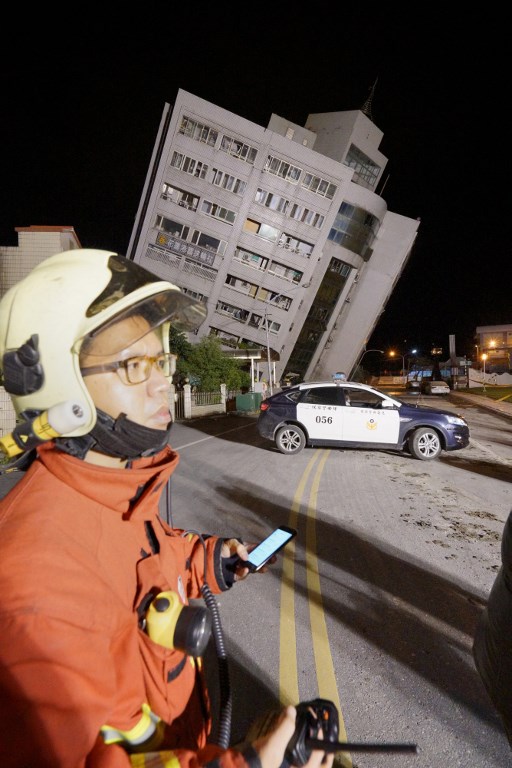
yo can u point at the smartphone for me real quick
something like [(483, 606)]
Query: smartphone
[(268, 548)]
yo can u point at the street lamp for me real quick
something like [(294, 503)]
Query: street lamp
[(394, 354), (484, 358)]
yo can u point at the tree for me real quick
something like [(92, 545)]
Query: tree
[(206, 364), (178, 344)]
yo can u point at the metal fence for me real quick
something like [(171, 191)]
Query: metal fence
[(189, 404)]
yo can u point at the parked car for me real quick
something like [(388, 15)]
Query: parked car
[(413, 386), (438, 387), (352, 415)]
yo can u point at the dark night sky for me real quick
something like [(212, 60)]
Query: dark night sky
[(82, 102)]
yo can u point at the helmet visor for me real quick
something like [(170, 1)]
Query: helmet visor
[(171, 307)]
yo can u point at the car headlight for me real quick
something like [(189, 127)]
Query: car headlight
[(457, 420)]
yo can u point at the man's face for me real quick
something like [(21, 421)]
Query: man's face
[(145, 403)]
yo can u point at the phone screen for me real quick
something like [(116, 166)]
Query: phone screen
[(269, 547)]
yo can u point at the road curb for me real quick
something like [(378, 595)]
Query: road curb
[(494, 406)]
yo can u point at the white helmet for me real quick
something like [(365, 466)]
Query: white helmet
[(66, 300)]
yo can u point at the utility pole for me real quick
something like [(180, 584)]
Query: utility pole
[(268, 354)]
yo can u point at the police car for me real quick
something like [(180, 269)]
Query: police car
[(345, 414)]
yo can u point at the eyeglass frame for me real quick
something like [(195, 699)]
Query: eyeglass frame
[(117, 365)]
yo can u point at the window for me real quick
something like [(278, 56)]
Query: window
[(179, 196), (311, 218), (274, 298), (278, 167), (355, 229), (269, 200), (189, 165), (167, 191), (359, 398), (177, 160), (339, 267), (173, 227), (209, 243), (273, 327), (365, 169), (255, 320), (229, 309), (237, 148), (277, 300), (319, 186), (226, 181), (208, 246), (276, 268), (243, 286), (250, 259), (291, 243), (195, 295), (198, 131), (262, 230), (321, 396), (218, 211)]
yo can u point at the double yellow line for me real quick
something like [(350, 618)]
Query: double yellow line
[(288, 675)]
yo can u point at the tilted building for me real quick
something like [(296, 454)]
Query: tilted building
[(279, 230)]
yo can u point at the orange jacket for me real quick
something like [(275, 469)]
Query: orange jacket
[(80, 547)]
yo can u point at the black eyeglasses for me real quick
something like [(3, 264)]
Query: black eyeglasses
[(134, 370)]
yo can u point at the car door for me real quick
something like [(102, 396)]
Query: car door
[(320, 411), (365, 420)]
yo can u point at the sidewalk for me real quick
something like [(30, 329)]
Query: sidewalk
[(502, 407)]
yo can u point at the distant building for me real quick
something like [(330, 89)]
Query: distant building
[(35, 243), (279, 230), (495, 341)]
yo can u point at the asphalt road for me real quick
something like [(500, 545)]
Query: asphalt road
[(377, 607), (375, 604)]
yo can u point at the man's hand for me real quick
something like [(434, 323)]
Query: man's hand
[(232, 547), (272, 746)]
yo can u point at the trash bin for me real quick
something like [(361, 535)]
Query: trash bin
[(248, 402)]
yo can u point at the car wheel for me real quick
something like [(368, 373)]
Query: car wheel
[(424, 444), (290, 439)]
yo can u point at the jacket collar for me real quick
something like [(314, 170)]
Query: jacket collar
[(132, 492)]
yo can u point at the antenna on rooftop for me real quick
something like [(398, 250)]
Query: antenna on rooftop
[(366, 109)]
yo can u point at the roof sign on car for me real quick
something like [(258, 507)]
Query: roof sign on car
[(339, 376)]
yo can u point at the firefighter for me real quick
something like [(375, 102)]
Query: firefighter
[(84, 552)]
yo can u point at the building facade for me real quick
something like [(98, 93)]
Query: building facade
[(35, 243), (495, 342), (279, 230)]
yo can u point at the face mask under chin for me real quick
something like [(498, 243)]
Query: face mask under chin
[(121, 438)]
